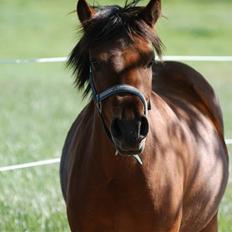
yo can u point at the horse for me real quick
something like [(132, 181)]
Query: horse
[(147, 153)]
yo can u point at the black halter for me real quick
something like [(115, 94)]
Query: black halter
[(114, 90)]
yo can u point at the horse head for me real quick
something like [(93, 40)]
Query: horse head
[(114, 58)]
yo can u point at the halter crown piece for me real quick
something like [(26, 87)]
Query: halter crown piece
[(114, 90)]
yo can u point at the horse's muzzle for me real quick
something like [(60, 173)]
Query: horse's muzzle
[(129, 135)]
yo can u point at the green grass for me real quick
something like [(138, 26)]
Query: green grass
[(197, 27), (38, 102)]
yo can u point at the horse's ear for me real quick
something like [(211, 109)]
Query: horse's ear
[(151, 12), (84, 11)]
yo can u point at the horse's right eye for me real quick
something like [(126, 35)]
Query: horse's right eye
[(96, 65)]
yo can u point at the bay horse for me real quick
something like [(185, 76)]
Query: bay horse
[(147, 153)]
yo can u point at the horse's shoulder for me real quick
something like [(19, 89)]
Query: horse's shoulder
[(76, 130), (180, 80)]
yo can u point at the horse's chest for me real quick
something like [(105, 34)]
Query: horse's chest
[(107, 212), (118, 206)]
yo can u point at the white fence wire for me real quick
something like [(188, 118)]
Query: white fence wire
[(64, 59), (30, 164), (48, 162), (174, 58)]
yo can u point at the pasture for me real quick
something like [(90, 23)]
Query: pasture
[(38, 102)]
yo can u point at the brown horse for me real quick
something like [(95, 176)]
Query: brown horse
[(147, 153)]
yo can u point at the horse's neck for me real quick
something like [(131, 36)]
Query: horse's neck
[(102, 149)]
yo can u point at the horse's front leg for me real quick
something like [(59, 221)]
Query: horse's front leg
[(176, 225), (212, 226)]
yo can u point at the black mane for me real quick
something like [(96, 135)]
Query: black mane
[(109, 22)]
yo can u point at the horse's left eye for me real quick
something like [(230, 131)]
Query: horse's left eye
[(151, 62)]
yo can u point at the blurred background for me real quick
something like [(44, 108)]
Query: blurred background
[(38, 102)]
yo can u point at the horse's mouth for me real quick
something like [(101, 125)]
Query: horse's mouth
[(130, 151)]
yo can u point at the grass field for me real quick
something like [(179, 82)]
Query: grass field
[(38, 102)]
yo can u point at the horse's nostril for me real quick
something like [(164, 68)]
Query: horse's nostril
[(115, 129), (144, 126), (131, 131)]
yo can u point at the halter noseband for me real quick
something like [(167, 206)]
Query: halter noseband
[(114, 90)]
